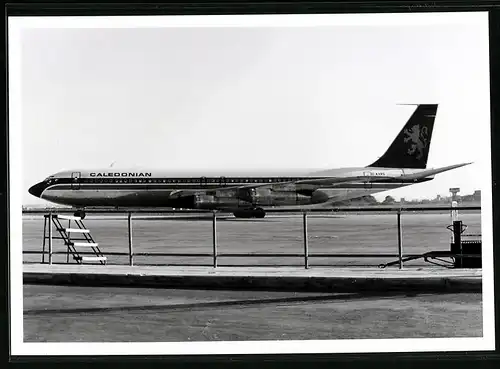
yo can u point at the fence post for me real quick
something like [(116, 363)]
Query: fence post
[(306, 242), (130, 245), (50, 238), (214, 237), (44, 237), (67, 246), (400, 241)]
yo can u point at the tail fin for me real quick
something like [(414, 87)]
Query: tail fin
[(410, 149)]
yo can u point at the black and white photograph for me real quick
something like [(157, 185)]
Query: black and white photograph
[(250, 184)]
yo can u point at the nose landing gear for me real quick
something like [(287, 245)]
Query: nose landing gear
[(80, 214)]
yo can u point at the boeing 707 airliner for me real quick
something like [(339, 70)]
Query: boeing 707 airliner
[(246, 196)]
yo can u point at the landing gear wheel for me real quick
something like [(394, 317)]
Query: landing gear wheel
[(80, 214), (245, 214), (259, 213), (250, 213)]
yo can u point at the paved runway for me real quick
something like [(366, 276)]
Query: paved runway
[(107, 314)]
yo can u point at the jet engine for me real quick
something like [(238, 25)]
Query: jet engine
[(318, 197), (203, 201)]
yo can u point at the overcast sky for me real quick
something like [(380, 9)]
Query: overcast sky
[(255, 98)]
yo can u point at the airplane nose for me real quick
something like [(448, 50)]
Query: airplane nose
[(37, 189)]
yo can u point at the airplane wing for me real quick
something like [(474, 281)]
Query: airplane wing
[(330, 181), (336, 181)]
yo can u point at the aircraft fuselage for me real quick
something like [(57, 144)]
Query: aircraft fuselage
[(125, 188)]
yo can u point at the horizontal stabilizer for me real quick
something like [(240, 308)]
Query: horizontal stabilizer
[(432, 172)]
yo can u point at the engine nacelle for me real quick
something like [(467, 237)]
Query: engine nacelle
[(249, 195), (204, 201), (318, 197), (311, 196)]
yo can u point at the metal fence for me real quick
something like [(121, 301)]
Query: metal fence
[(135, 214)]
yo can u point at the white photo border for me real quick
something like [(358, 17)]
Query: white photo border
[(20, 348)]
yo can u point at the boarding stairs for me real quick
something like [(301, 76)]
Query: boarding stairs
[(78, 241)]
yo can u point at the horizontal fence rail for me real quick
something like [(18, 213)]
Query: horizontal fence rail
[(229, 255), (138, 214), (367, 209)]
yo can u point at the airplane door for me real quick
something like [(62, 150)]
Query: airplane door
[(75, 180), (368, 184)]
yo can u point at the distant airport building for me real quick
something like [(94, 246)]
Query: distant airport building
[(476, 197)]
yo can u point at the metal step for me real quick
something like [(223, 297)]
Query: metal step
[(92, 258), (84, 244), (75, 230), (67, 217)]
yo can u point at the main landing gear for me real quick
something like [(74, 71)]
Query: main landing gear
[(250, 213)]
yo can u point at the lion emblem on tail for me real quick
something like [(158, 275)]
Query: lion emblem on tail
[(418, 138)]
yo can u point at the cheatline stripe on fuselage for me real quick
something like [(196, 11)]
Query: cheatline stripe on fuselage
[(174, 186)]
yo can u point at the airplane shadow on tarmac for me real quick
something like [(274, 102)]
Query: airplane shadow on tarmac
[(233, 303)]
